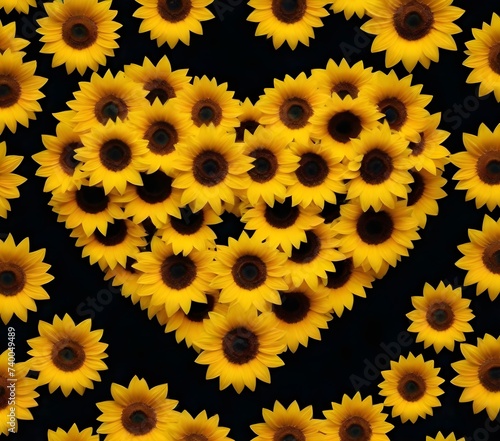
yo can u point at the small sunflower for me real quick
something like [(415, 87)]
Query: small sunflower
[(8, 38), (8, 181), (249, 118), (137, 412), (482, 258), (356, 419), (412, 31), (22, 274), (199, 428), (479, 375), (240, 347), (292, 423), (441, 437), (19, 391), (479, 167), (68, 356), (171, 21), (19, 90), (22, 6), (287, 21), (441, 317), (411, 387), (350, 7), (73, 434), (80, 35)]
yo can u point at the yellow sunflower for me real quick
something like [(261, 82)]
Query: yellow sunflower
[(479, 167), (290, 105), (8, 38), (441, 316), (18, 390), (355, 418), (479, 375), (482, 258), (73, 434), (292, 423), (199, 428), (68, 356), (350, 7), (290, 21), (19, 90), (19, 5), (137, 412), (483, 57), (441, 437), (240, 347), (22, 274), (80, 35), (412, 31), (210, 167), (249, 118), (171, 21), (411, 387), (8, 181)]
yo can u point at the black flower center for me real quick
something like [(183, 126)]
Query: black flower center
[(199, 311), (265, 165), (156, 187), (281, 215), (10, 91), (189, 222), (115, 155), (289, 11), (249, 125), (12, 279), (295, 112), (417, 188), (159, 89), (249, 272), (411, 387), (110, 107), (313, 170), (206, 111), (417, 147), (68, 355), (174, 10), (374, 227), (91, 199), (138, 418), (178, 272), (355, 428), (116, 233), (394, 111), (308, 250), (67, 157), (294, 307), (210, 168), (162, 138), (376, 167), (240, 345), (342, 274), (344, 126), (413, 20), (79, 32)]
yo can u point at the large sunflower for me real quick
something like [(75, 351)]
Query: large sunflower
[(80, 35), (137, 412), (19, 90), (479, 375), (22, 6), (171, 21), (287, 21), (482, 258), (292, 423), (240, 347), (8, 38), (356, 419), (411, 387), (8, 181), (22, 274), (441, 316), (73, 434), (199, 428), (412, 31), (68, 356)]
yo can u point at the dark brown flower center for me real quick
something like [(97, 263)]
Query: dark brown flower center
[(174, 10), (342, 274), (411, 387), (281, 215), (313, 170), (115, 233), (249, 125), (417, 147), (488, 167), (489, 374), (265, 165), (249, 272), (440, 316), (289, 11), (195, 437), (79, 32), (294, 307), (156, 187), (344, 126), (159, 88), (206, 111), (343, 88), (376, 167), (91, 199), (189, 223), (295, 112), (178, 272), (494, 58), (491, 257), (138, 418), (4, 393), (417, 188), (240, 345), (67, 157), (394, 111), (68, 355), (162, 138), (199, 311), (10, 91), (413, 20), (307, 250), (110, 107), (210, 168), (288, 433), (355, 428), (115, 155), (12, 278), (374, 227)]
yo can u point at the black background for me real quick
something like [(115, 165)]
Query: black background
[(229, 51)]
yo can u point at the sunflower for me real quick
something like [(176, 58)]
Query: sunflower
[(479, 167), (290, 105), (80, 35), (482, 258), (137, 412), (105, 98), (292, 423), (281, 225), (341, 120), (22, 6), (68, 356), (441, 316), (8, 181), (343, 284), (210, 167), (441, 437), (483, 57), (8, 38), (249, 118), (240, 347), (354, 419), (73, 434), (479, 375), (22, 274), (287, 21), (19, 90), (350, 7), (171, 21), (204, 103), (412, 31), (376, 238), (19, 391), (249, 273), (402, 105), (160, 81), (199, 428), (171, 279)]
